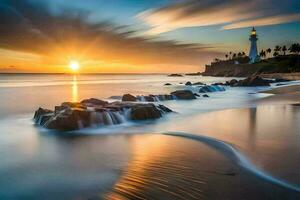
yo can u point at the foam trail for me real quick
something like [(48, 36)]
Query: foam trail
[(237, 157)]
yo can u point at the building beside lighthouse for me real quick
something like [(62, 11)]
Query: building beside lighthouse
[(253, 55)]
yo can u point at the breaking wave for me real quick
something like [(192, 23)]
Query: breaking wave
[(237, 157)]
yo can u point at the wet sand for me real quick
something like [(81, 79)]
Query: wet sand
[(290, 76), (286, 94), (168, 167)]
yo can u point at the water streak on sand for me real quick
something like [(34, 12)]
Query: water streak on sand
[(236, 156)]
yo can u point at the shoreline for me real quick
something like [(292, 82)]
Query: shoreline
[(289, 94)]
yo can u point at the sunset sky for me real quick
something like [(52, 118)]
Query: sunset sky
[(137, 36)]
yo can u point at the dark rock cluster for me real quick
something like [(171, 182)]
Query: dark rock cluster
[(95, 112), (176, 95), (252, 81), (175, 75)]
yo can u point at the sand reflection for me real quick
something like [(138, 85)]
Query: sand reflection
[(168, 168)]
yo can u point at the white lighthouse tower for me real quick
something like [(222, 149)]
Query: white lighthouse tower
[(253, 55)]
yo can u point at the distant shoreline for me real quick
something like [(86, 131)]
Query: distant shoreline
[(37, 73)]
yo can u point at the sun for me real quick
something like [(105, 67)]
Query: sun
[(74, 65)]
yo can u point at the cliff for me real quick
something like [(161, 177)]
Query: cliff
[(241, 68)]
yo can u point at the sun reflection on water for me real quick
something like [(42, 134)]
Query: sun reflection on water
[(74, 89)]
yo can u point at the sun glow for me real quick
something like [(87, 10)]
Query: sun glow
[(74, 66)]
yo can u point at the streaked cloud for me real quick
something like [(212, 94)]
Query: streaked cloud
[(230, 14), (266, 21), (29, 27)]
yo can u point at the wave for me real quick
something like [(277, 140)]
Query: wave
[(237, 157)]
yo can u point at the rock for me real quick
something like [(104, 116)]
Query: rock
[(175, 75), (165, 97), (93, 101), (41, 115), (280, 84), (281, 80), (188, 83), (168, 84), (183, 94), (164, 108), (211, 88), (197, 95), (144, 112), (149, 98), (233, 82), (74, 116), (72, 120), (116, 97), (194, 74), (198, 83), (129, 97), (205, 95), (252, 82), (218, 83), (72, 105)]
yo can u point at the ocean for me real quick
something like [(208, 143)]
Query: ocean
[(205, 150)]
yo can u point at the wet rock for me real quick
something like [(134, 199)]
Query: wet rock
[(198, 83), (93, 101), (205, 95), (74, 116), (211, 88), (168, 84), (150, 98), (184, 94), (144, 112), (72, 105), (72, 120), (164, 108), (252, 82), (165, 97), (233, 82), (219, 83), (129, 97), (197, 95), (281, 80), (41, 115), (280, 84), (175, 75), (116, 97), (188, 83)]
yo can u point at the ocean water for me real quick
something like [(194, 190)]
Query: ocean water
[(138, 160)]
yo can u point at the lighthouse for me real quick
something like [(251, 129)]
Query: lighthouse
[(253, 48)]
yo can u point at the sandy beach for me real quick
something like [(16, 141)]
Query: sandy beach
[(286, 94)]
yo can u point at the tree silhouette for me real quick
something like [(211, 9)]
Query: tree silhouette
[(277, 49), (295, 48), (284, 49), (269, 50), (262, 54)]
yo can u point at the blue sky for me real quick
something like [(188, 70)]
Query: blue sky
[(125, 12)]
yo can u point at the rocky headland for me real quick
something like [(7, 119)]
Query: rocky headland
[(282, 66)]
